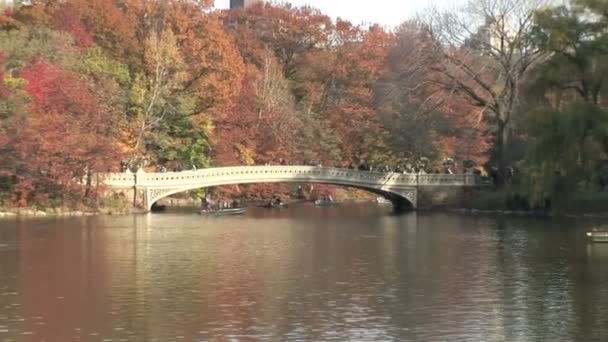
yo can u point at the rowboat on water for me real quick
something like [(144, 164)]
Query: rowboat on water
[(598, 236), (382, 200), (227, 211), (274, 205), (325, 202)]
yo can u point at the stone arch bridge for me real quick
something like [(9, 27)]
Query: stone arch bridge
[(403, 190)]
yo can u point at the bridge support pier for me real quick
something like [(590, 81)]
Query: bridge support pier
[(138, 196), (403, 199), (400, 206)]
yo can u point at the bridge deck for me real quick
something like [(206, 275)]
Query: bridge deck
[(288, 173)]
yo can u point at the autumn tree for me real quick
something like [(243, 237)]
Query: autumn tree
[(268, 102), (5, 179), (484, 55), (182, 69), (65, 138), (331, 71), (4, 92), (337, 86), (152, 103), (407, 101), (21, 46), (425, 120), (290, 32)]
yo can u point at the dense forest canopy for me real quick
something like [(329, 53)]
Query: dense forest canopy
[(92, 86)]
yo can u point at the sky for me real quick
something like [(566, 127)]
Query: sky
[(384, 12)]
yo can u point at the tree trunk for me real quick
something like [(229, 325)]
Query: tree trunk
[(503, 149), (88, 191)]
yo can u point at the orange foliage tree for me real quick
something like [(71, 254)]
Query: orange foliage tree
[(426, 120)]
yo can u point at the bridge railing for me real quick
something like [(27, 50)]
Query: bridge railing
[(296, 173), (116, 179), (441, 179), (265, 173)]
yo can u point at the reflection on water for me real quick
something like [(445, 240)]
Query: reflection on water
[(304, 273)]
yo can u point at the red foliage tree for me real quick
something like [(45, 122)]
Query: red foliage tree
[(70, 21), (4, 92), (288, 31), (339, 84), (7, 20), (64, 139)]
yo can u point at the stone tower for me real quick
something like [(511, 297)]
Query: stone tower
[(242, 3)]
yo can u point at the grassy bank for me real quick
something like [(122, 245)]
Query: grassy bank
[(509, 200)]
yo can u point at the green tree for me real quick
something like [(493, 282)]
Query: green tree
[(568, 122)]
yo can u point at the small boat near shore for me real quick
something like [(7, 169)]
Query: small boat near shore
[(324, 202), (220, 212), (598, 236), (274, 205), (382, 200)]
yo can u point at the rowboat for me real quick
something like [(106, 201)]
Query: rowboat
[(324, 202), (597, 236), (274, 205), (227, 211), (382, 200)]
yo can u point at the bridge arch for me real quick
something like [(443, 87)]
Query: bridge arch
[(401, 200)]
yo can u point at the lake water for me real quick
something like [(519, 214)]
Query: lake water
[(352, 272)]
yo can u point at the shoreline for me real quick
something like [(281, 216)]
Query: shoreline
[(523, 213), (28, 213), (62, 212)]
